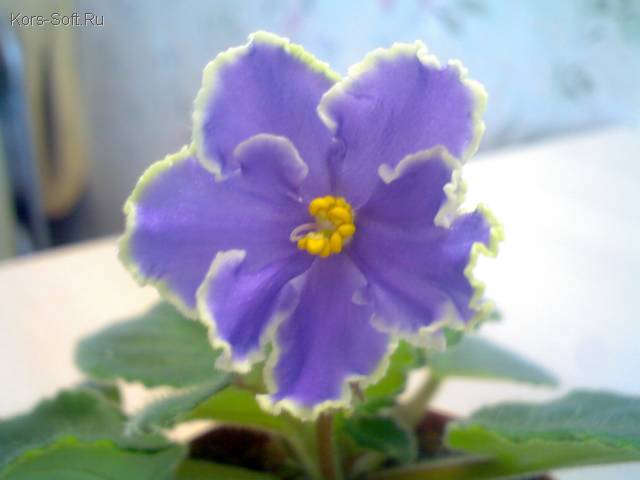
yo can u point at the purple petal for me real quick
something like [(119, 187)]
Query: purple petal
[(266, 86), (418, 271), (397, 102), (328, 340), (241, 301), (179, 216)]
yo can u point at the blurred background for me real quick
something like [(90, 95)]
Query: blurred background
[(85, 109)]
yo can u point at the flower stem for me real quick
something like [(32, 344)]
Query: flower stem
[(326, 448), (411, 412)]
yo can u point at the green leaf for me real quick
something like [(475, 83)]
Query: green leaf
[(70, 459), (83, 414), (382, 394), (108, 390), (582, 428), (198, 470), (159, 348), (170, 410), (239, 407), (476, 357), (452, 336), (382, 434)]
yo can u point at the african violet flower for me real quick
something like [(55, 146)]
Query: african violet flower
[(317, 214)]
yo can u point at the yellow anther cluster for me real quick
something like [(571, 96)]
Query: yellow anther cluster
[(334, 226)]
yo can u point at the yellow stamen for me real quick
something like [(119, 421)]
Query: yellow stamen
[(336, 242), (339, 215), (317, 205), (315, 244), (326, 250), (332, 230), (347, 230)]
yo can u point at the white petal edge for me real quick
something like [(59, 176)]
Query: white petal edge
[(419, 50), (269, 337), (431, 336), (225, 360), (157, 168), (210, 88), (130, 211), (345, 401)]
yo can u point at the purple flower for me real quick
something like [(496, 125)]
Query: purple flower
[(317, 214)]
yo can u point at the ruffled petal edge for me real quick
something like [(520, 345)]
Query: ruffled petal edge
[(270, 338), (124, 243), (496, 235), (210, 76), (455, 192), (225, 360), (305, 413), (420, 50), (431, 336)]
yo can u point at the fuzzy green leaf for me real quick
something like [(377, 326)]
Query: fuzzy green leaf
[(452, 336), (83, 414), (161, 347), (475, 357), (239, 407), (382, 434), (582, 428), (382, 393), (172, 409), (71, 459), (108, 390), (519, 440)]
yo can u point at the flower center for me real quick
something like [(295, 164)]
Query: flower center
[(333, 228)]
